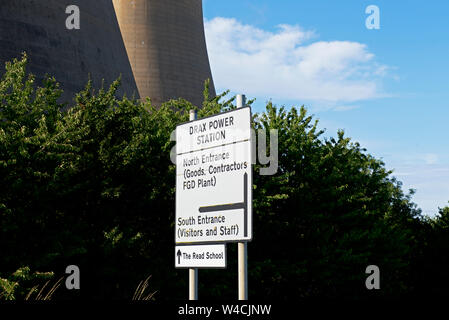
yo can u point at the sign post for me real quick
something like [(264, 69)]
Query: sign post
[(242, 246), (214, 184), (193, 272)]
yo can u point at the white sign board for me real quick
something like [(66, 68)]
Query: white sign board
[(201, 256), (214, 179)]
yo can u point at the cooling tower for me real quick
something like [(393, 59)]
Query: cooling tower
[(166, 46), (39, 28)]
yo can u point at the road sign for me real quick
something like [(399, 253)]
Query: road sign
[(201, 256), (214, 179)]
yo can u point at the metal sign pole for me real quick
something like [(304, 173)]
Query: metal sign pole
[(193, 273), (243, 270), (193, 284), (242, 246)]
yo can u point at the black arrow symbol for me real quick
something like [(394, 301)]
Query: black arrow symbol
[(232, 206), (179, 256)]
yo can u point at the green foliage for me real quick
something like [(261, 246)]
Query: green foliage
[(433, 262), (94, 186), (17, 285), (442, 220), (332, 209)]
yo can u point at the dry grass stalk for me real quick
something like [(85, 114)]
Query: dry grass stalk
[(41, 291), (140, 290), (53, 289), (33, 289), (40, 296)]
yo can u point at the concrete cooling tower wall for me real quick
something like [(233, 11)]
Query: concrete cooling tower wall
[(39, 28), (166, 46)]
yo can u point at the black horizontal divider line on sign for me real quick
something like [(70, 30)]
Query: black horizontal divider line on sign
[(212, 147), (233, 206)]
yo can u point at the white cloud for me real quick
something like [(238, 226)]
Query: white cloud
[(419, 158), (281, 65), (430, 158), (345, 108)]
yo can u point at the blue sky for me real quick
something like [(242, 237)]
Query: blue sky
[(387, 88)]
